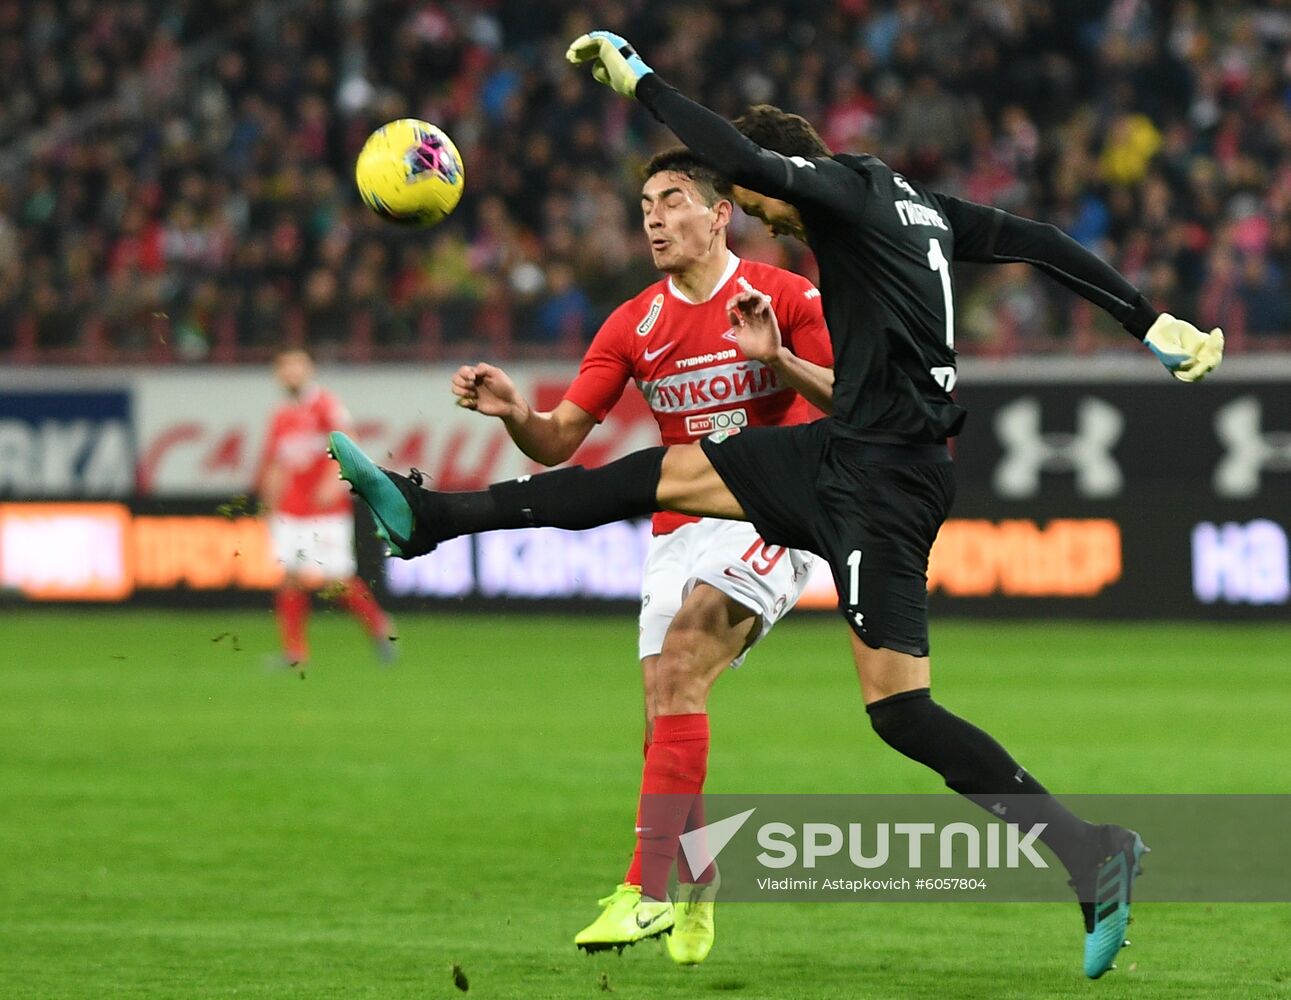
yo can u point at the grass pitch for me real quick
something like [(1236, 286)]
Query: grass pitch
[(178, 822)]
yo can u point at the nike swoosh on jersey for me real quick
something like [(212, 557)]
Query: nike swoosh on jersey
[(651, 355)]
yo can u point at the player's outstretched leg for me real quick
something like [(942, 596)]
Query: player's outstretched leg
[(413, 520), (1104, 893), (625, 919)]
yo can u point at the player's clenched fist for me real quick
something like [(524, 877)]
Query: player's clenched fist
[(486, 389), (757, 331)]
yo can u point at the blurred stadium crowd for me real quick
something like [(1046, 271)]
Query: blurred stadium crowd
[(175, 178)]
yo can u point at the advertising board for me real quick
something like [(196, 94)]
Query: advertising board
[(1119, 494)]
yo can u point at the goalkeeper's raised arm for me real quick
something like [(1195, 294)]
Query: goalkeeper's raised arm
[(801, 188), (710, 136)]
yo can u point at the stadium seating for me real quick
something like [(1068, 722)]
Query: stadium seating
[(175, 179)]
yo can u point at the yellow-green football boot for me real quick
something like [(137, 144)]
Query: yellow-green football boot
[(625, 919), (693, 930)]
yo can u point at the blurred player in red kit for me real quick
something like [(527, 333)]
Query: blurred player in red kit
[(310, 515)]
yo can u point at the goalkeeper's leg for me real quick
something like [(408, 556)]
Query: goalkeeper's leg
[(1103, 861), (414, 520)]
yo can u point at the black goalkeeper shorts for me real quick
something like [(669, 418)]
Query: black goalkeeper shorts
[(871, 510)]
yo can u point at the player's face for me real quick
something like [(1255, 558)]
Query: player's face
[(681, 227), (781, 218), (293, 370)]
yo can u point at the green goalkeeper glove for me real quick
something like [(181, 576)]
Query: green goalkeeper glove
[(615, 63), (1185, 350)]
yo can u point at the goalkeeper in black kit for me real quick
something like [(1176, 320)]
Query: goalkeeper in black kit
[(867, 488)]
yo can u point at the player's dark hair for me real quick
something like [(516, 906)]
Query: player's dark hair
[(781, 132), (711, 185)]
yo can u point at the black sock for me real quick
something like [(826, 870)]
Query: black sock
[(567, 498), (977, 767)]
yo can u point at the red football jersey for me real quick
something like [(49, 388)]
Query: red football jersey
[(686, 361), (297, 443)]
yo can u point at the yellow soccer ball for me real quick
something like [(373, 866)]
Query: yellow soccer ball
[(410, 172)]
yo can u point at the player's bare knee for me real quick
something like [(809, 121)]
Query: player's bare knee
[(683, 673), (682, 658)]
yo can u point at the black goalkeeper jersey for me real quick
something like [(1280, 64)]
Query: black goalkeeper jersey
[(884, 246)]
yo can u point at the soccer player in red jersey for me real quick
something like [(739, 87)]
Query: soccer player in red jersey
[(310, 514), (712, 588)]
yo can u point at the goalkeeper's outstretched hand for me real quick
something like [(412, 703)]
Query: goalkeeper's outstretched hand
[(1185, 350), (615, 63)]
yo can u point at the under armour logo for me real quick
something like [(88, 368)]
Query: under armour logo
[(1088, 453), (1249, 451)]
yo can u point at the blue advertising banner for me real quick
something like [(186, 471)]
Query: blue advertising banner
[(66, 444)]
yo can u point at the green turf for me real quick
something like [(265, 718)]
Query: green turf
[(177, 822)]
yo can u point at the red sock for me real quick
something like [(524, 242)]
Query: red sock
[(292, 608), (694, 821), (674, 774), (633, 877), (357, 599)]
